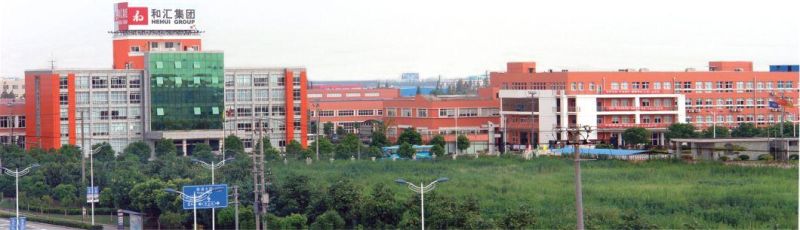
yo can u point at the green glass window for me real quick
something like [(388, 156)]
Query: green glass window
[(159, 65), (179, 106)]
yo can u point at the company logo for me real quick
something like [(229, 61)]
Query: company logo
[(137, 16)]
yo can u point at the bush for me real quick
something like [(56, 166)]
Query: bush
[(724, 158), (744, 157), (59, 222), (765, 157), (793, 157)]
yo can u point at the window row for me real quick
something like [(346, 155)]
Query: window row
[(445, 112), (8, 122), (362, 112), (258, 80), (104, 82), (738, 118), (114, 97), (245, 95)]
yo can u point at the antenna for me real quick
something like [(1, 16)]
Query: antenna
[(52, 62)]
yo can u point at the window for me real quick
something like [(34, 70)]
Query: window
[(371, 94), (580, 86), (261, 80), (243, 95), (591, 86), (391, 112), (159, 111), (468, 112), (326, 113), (154, 45), (5, 122), (657, 120), (278, 110), (197, 111), (489, 112), (119, 113), (345, 113), (215, 110), (243, 80), (421, 112), (134, 48), (261, 94), (159, 65), (405, 112), (229, 80), (281, 81), (244, 111), (699, 119), (615, 120), (100, 130), (261, 110), (134, 82), (447, 112), (169, 45), (63, 99), (99, 83), (635, 85), (366, 112), (769, 85), (82, 98), (573, 86), (614, 85), (645, 102), (656, 85), (230, 95), (82, 82), (99, 97), (296, 94), (667, 85), (246, 126), (135, 112), (645, 119), (352, 94), (118, 97), (624, 85)]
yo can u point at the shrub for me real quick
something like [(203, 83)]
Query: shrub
[(744, 157), (724, 158), (765, 157), (793, 157)]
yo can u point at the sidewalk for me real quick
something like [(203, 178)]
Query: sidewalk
[(49, 216)]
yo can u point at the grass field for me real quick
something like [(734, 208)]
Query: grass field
[(663, 193)]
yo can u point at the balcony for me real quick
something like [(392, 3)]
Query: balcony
[(636, 108), (632, 125)]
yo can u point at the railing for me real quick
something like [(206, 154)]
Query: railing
[(636, 108), (631, 125)]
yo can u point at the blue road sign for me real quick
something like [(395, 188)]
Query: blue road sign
[(217, 199), (13, 225)]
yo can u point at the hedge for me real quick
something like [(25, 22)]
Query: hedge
[(59, 222), (71, 211)]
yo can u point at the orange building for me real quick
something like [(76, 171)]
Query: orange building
[(727, 94)]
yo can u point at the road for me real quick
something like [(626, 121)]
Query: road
[(34, 225)]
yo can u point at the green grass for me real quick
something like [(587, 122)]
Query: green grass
[(667, 194)]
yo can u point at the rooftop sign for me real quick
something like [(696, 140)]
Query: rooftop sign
[(155, 16)]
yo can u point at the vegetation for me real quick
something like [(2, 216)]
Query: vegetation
[(722, 132), (462, 143), (746, 130), (410, 136), (680, 130), (485, 193), (636, 136)]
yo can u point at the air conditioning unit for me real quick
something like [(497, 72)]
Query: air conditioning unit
[(738, 69)]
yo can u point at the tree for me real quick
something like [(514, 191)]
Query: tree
[(327, 129), (7, 95), (139, 149), (636, 135), (437, 140), (233, 145), (746, 130), (462, 142), (345, 199), (294, 196), (410, 136), (680, 130), (145, 196), (326, 148), (340, 131), (437, 150), (165, 146), (775, 130), (379, 139), (294, 221), (66, 194), (294, 148), (406, 150), (380, 210), (347, 147), (721, 131), (203, 152), (105, 153), (374, 151), (328, 220)]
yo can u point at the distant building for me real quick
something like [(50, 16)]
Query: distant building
[(12, 122), (409, 77), (13, 86)]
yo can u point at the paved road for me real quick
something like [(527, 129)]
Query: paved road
[(34, 226)]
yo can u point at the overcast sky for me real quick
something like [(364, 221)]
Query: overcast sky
[(369, 39)]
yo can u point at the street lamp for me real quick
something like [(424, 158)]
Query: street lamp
[(17, 174), (212, 167), (91, 175), (714, 124), (421, 189), (194, 198)]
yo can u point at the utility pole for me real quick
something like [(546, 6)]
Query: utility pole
[(316, 137), (236, 205), (256, 187), (83, 162), (533, 118), (575, 134)]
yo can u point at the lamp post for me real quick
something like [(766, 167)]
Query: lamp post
[(714, 124), (421, 189), (17, 174), (194, 198), (91, 175), (212, 167)]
